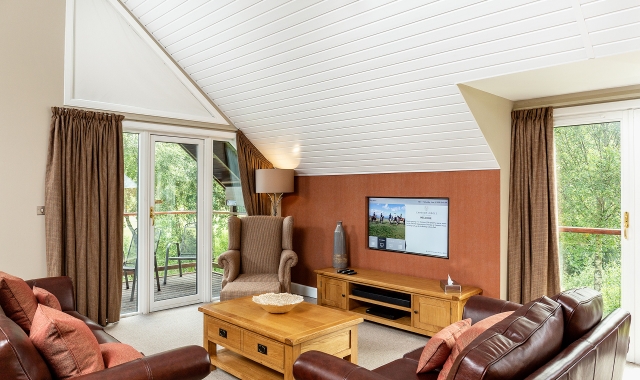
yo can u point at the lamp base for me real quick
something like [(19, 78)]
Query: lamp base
[(275, 201)]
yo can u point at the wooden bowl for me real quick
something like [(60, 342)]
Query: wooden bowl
[(277, 309)]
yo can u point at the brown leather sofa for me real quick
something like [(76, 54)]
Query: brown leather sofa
[(19, 359), (562, 337)]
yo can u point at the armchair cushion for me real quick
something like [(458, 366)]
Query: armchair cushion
[(438, 348), (17, 300), (46, 298), (66, 343), (239, 289), (114, 354), (261, 239), (468, 336)]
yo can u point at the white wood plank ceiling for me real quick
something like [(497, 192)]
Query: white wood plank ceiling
[(342, 87)]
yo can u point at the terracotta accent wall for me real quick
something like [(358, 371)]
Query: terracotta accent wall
[(474, 224)]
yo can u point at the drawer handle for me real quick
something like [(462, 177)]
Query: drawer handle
[(343, 295), (415, 311), (262, 349), (223, 333)]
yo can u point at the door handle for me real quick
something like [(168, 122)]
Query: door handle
[(152, 215), (626, 224)]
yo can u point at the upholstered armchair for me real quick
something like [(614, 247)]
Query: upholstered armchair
[(259, 258)]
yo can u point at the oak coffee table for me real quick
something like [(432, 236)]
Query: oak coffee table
[(259, 345)]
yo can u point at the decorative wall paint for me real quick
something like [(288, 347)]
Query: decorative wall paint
[(474, 224)]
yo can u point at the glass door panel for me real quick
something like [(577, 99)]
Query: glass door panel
[(130, 288), (588, 167), (175, 229), (226, 200)]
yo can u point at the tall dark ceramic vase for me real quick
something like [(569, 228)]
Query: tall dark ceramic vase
[(339, 248)]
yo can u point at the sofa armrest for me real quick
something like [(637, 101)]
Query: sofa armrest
[(480, 307), (316, 365), (185, 363), (230, 262), (61, 287), (288, 259)]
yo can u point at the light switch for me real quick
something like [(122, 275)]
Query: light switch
[(40, 210)]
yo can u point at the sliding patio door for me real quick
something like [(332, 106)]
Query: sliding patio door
[(176, 227)]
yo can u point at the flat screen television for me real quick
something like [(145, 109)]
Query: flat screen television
[(418, 226)]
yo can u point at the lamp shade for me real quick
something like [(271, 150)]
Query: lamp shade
[(274, 181)]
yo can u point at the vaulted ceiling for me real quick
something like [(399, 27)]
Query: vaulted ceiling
[(337, 87)]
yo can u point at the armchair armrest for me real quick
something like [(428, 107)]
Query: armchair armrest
[(230, 262), (480, 307), (185, 363), (61, 287), (316, 365), (288, 259)]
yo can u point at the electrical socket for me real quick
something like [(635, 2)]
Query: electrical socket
[(40, 210)]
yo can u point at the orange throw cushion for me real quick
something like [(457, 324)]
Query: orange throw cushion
[(66, 343), (46, 298), (467, 337), (17, 300), (438, 348), (114, 354)]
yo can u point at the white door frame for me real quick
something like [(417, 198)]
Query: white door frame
[(146, 131), (628, 113)]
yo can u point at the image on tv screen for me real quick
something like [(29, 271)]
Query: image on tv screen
[(409, 225)]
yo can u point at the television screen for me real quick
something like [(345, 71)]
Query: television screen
[(418, 226)]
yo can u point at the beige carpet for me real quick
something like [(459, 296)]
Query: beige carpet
[(164, 330)]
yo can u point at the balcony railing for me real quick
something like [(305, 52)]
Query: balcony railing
[(589, 230)]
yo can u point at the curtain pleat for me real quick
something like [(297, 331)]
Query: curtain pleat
[(250, 159), (533, 237), (84, 199)]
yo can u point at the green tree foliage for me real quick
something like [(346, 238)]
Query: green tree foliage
[(588, 175)]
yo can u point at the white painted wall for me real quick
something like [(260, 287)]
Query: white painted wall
[(493, 115), (31, 81)]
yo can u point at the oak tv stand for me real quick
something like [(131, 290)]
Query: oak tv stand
[(430, 308)]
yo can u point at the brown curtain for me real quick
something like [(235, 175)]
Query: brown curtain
[(84, 200), (533, 235), (250, 159)]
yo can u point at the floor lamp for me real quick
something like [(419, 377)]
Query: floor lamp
[(274, 182)]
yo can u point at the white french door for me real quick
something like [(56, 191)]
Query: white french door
[(176, 224), (627, 113), (169, 201)]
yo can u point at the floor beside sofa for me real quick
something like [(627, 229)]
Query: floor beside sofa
[(377, 344)]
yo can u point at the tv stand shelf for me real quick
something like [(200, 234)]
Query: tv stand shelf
[(431, 309)]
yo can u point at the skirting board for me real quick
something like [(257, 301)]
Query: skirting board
[(303, 290)]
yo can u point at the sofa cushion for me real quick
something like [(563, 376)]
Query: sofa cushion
[(46, 298), (17, 300), (468, 336), (438, 348), (66, 343), (582, 309), (114, 354), (514, 347)]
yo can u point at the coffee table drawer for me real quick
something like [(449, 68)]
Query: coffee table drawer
[(224, 334), (263, 350)]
